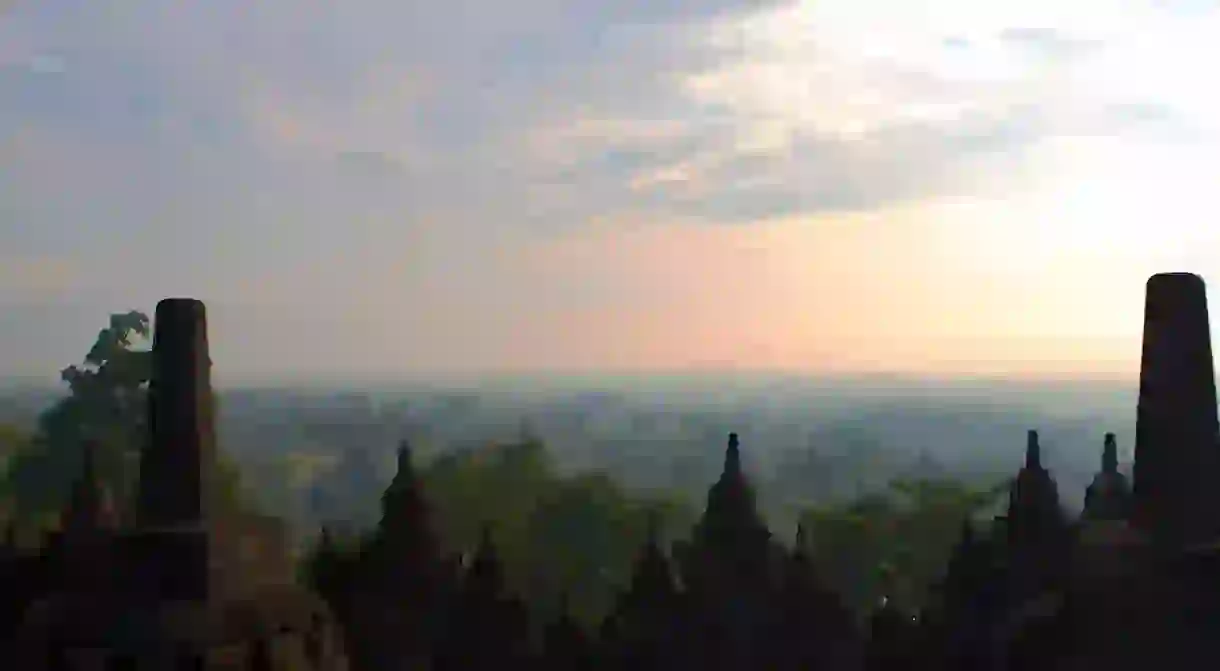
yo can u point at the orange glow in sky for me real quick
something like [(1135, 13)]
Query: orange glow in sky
[(935, 187)]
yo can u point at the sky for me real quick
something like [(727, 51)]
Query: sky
[(399, 187)]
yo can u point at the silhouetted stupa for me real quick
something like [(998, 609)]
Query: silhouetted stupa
[(1108, 497), (193, 585), (1177, 459)]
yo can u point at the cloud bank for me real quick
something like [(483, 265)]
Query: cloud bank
[(294, 152)]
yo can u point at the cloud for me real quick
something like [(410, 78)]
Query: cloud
[(1189, 8), (545, 116), (1048, 42), (778, 118), (378, 151)]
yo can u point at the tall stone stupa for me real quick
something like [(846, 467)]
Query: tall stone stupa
[(1176, 485)]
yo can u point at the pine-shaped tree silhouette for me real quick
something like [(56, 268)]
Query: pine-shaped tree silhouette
[(487, 628), (566, 645), (641, 632), (811, 627)]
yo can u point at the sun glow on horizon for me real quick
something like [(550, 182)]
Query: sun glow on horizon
[(944, 187)]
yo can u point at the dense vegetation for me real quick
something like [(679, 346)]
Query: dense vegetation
[(558, 531)]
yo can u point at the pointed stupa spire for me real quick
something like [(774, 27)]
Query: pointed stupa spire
[(653, 532), (404, 456), (565, 644), (798, 576), (485, 551), (885, 579), (651, 577), (1034, 515), (800, 544), (485, 574), (966, 543), (967, 537), (1109, 454), (732, 457), (1108, 497), (1033, 450)]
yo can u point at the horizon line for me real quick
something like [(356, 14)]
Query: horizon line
[(426, 377)]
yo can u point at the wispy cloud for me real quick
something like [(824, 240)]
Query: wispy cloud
[(378, 151)]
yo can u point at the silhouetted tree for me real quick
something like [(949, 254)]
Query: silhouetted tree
[(106, 406), (909, 526)]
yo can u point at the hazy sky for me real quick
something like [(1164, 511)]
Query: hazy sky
[(387, 186)]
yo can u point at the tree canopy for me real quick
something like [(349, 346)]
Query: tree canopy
[(106, 403), (894, 542), (556, 534)]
